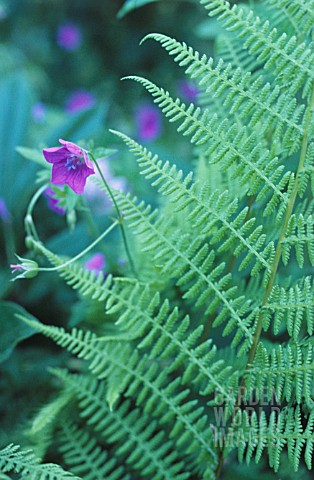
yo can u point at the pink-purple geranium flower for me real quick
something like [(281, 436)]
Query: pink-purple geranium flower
[(70, 165), (53, 202), (188, 90), (69, 36), (80, 100), (96, 263), (148, 122)]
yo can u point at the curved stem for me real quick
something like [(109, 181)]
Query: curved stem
[(83, 252), (32, 232), (120, 218), (29, 223)]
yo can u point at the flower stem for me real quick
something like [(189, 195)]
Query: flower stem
[(32, 233), (120, 218), (79, 255), (29, 223)]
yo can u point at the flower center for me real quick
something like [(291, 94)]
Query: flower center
[(73, 161)]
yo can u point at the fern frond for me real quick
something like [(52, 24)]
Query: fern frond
[(85, 457), (136, 307), (287, 371), (255, 169), (259, 102), (281, 55), (234, 234), (300, 236), (143, 316), (254, 434), (234, 54), (134, 435), (90, 285), (165, 335), (306, 174), (190, 261), (48, 414), (24, 463), (299, 12), (137, 377), (293, 308)]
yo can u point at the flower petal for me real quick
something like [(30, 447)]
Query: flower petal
[(59, 174), (88, 162), (76, 150), (76, 179), (55, 154), (71, 147)]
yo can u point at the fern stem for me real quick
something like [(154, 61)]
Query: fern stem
[(288, 214), (120, 218), (274, 267)]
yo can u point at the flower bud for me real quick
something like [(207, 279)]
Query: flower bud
[(27, 268)]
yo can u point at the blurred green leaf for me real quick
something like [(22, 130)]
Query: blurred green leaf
[(13, 330), (79, 126), (33, 155), (17, 176), (130, 5)]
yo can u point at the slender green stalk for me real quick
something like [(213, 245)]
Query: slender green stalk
[(79, 255), (32, 233), (120, 218), (29, 223), (288, 214), (275, 264)]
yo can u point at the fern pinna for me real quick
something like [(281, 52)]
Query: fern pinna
[(165, 395)]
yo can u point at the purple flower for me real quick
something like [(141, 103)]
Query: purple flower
[(80, 100), (69, 36), (53, 202), (96, 263), (39, 112), (4, 212), (188, 90), (70, 165), (148, 121)]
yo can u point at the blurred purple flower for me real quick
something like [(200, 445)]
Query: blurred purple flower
[(39, 112), (70, 165), (121, 262), (96, 263), (53, 202), (80, 100), (4, 212), (148, 122), (69, 36), (188, 90), (97, 199)]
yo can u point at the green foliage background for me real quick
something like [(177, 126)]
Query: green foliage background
[(221, 236)]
